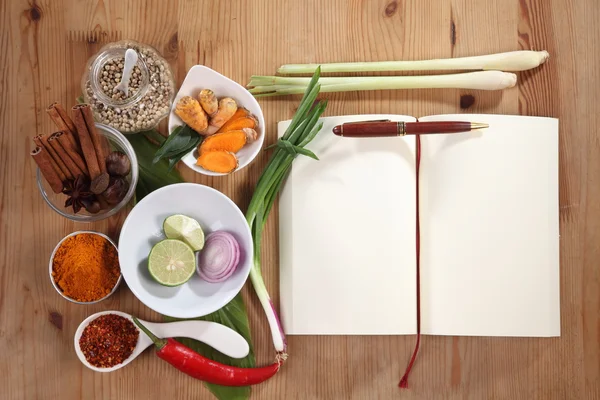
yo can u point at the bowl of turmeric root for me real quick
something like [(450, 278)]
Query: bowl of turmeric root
[(216, 127)]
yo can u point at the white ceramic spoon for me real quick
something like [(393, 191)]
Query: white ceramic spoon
[(218, 336), (131, 57)]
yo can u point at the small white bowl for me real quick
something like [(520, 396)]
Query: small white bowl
[(200, 77), (143, 228), (52, 259)]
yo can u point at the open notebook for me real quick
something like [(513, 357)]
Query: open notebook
[(489, 232)]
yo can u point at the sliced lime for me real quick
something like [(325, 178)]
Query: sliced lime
[(184, 228), (171, 262)]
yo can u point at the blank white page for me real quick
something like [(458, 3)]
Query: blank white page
[(490, 228), (347, 235)]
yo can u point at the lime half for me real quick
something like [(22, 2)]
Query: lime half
[(184, 228), (171, 262)]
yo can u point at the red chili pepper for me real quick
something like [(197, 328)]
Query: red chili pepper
[(188, 361)]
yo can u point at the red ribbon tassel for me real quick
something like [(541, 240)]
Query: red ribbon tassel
[(404, 381)]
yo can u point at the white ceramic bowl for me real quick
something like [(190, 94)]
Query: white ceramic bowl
[(52, 260), (143, 229), (200, 77)]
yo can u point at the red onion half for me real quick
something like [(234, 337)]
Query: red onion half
[(219, 257)]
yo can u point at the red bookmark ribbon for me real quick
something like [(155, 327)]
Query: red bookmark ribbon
[(404, 381)]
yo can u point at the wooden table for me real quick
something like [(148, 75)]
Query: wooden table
[(43, 47)]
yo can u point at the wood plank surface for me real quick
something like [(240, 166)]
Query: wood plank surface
[(44, 45)]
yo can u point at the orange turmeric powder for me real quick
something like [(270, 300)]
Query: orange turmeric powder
[(86, 267)]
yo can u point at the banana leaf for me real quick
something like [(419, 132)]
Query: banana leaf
[(151, 176)]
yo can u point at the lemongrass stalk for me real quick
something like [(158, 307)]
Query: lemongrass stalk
[(267, 88), (520, 60), (481, 80), (256, 80), (485, 78)]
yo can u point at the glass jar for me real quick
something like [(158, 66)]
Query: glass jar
[(151, 87)]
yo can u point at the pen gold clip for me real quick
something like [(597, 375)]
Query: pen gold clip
[(366, 122)]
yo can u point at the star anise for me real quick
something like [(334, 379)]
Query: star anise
[(79, 193)]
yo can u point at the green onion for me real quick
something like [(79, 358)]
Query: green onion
[(480, 80), (302, 129), (510, 61)]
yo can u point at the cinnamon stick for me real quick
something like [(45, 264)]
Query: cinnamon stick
[(85, 139), (94, 159), (100, 142), (73, 143), (44, 162), (62, 170), (59, 115), (63, 139), (65, 157)]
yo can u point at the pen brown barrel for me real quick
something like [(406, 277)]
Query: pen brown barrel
[(368, 129), (438, 127), (392, 128)]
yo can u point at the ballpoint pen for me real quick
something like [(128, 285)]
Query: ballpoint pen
[(386, 128)]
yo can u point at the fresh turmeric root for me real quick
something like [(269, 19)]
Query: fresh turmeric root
[(251, 135), (190, 112), (241, 112), (227, 108), (237, 124), (231, 141), (208, 101), (220, 161)]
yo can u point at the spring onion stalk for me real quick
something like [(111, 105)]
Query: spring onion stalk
[(303, 128), (510, 61), (480, 80)]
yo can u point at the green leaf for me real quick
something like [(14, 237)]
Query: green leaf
[(178, 145), (152, 176), (295, 150), (234, 316), (175, 142), (177, 157)]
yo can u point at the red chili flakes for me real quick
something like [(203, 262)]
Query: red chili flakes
[(108, 340)]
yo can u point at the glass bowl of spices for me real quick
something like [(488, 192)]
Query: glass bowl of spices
[(84, 267), (73, 198), (151, 87)]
